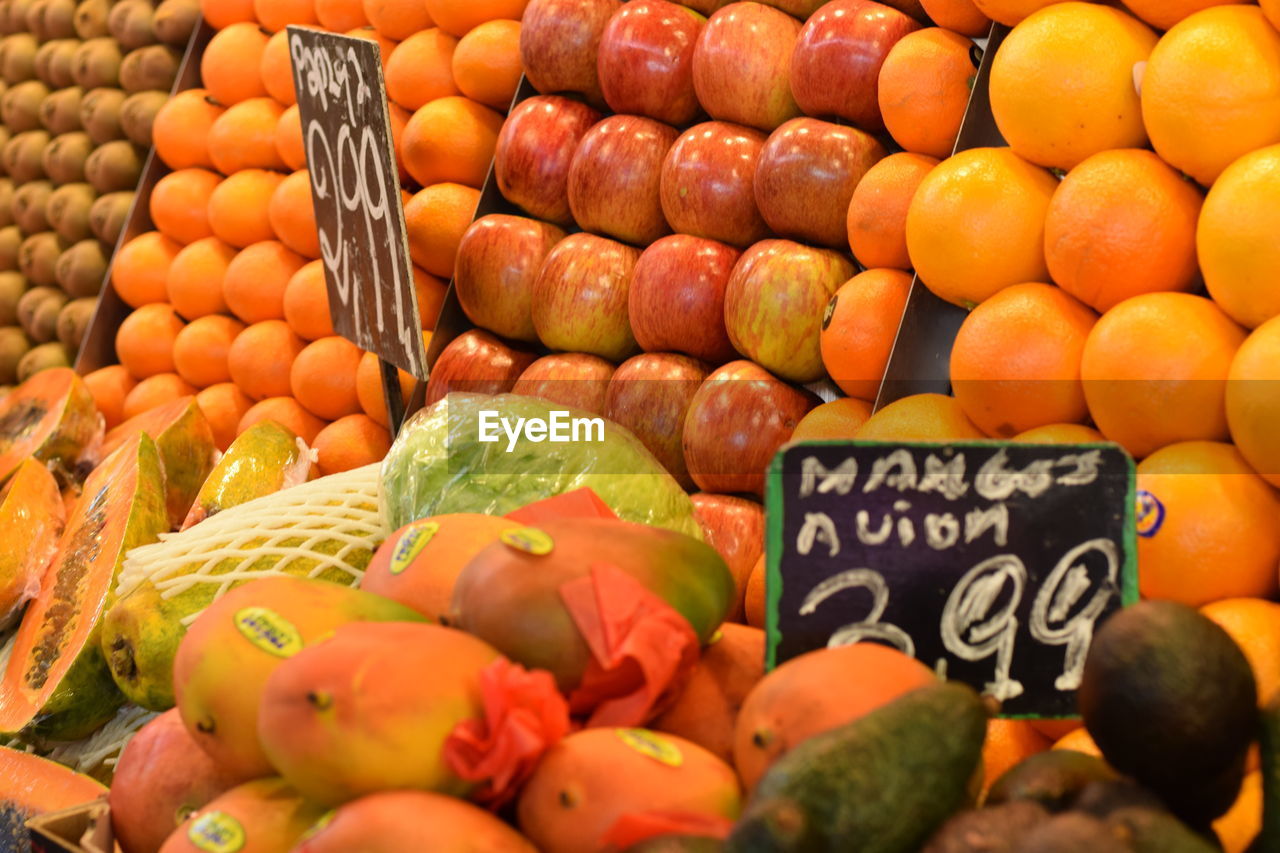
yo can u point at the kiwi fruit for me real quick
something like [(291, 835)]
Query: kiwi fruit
[(97, 63), (148, 68), (67, 211), (73, 321), (100, 115), (18, 57), (115, 166), (40, 323), (22, 155), (60, 112), (82, 269), (139, 113), (91, 19), (55, 61), (37, 258), (107, 217), (175, 20), (60, 19), (12, 285), (29, 204), (44, 357), (10, 241), (131, 23), (64, 158), (14, 344), (20, 106), (7, 191)]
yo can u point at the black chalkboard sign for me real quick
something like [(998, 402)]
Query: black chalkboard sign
[(990, 562), (355, 187)]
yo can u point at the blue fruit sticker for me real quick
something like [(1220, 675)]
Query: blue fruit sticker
[(269, 631), (411, 545), (1150, 514), (216, 832)]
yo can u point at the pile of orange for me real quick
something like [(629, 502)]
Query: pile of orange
[(229, 295)]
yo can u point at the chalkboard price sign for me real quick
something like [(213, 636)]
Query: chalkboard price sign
[(991, 563), (355, 189)]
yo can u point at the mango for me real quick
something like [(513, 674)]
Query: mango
[(263, 816), (264, 458)]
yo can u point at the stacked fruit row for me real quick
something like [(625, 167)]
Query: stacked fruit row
[(83, 81)]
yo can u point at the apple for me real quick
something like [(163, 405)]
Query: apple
[(534, 150), (646, 60), (498, 260), (836, 68), (574, 379), (774, 305), (707, 183), (615, 179), (580, 297), (737, 420), (807, 173), (742, 65), (650, 395), (476, 362), (677, 297), (559, 40), (734, 527)]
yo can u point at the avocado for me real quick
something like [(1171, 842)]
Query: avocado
[(1073, 832), (1269, 737), (881, 784), (1103, 797), (1171, 701), (995, 829), (1053, 779), (1153, 830), (677, 844)]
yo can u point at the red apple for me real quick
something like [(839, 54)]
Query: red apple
[(738, 419), (558, 44), (650, 395), (580, 297), (615, 177), (498, 260), (476, 362), (774, 304), (677, 297), (707, 180), (836, 68), (573, 379), (646, 60), (807, 173), (742, 65), (734, 527), (535, 148)]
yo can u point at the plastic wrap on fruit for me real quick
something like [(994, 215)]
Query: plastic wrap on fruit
[(494, 454)]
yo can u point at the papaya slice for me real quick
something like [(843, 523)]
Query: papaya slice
[(31, 520), (185, 440), (266, 458), (57, 684), (36, 785), (51, 417)]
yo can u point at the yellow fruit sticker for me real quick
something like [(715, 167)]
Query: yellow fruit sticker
[(411, 545), (216, 832), (319, 826), (269, 631), (653, 745), (531, 540), (716, 637)]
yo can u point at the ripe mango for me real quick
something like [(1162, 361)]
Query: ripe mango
[(263, 816)]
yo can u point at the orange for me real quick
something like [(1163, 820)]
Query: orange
[(1010, 12), (224, 405), (323, 378), (420, 69), (194, 283), (277, 69), (278, 14), (486, 63), (1056, 729), (200, 350), (399, 117), (838, 419), (877, 217), (341, 15), (223, 13), (397, 19), (755, 603), (1253, 400), (256, 279), (976, 224), (859, 328), (1208, 527), (261, 357), (961, 16), (286, 412), (306, 303), (1270, 8), (1236, 238), (920, 417), (451, 139), (144, 341), (369, 388), (289, 142), (180, 204), (431, 292), (350, 442), (1211, 90), (459, 17), (1154, 368), (109, 386), (1079, 740), (386, 46), (244, 137), (1163, 14), (1122, 223), (1008, 743), (1255, 626), (1062, 84), (1015, 363), (1238, 828), (239, 209), (155, 391), (181, 128), (141, 268), (924, 90), (232, 62), (1060, 434), (436, 218), (293, 216)]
